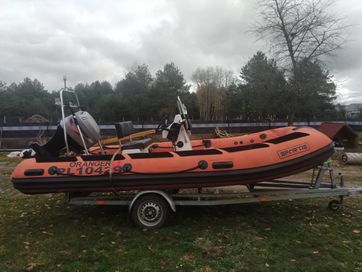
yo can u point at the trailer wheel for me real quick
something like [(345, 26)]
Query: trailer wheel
[(150, 211), (334, 205)]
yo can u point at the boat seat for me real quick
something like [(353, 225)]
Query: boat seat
[(124, 129)]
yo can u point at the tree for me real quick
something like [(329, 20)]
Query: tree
[(190, 100), (133, 91), (2, 86), (317, 93), (299, 30), (27, 98), (211, 85), (169, 84), (264, 88), (234, 102), (5, 103), (94, 97)]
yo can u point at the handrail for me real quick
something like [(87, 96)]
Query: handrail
[(66, 89)]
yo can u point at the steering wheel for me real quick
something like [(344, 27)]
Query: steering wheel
[(163, 124)]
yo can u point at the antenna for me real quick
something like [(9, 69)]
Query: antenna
[(65, 81), (63, 114)]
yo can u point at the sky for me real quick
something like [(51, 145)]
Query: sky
[(90, 40)]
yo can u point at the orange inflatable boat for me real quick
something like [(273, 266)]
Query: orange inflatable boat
[(70, 161)]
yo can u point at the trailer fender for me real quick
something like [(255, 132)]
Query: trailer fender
[(163, 194)]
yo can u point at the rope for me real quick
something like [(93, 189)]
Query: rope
[(111, 171)]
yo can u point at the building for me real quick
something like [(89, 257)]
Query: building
[(340, 133), (353, 110)]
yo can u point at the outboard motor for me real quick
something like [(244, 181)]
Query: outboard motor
[(80, 120), (88, 126), (76, 132)]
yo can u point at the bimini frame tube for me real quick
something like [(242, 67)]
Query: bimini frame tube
[(63, 114), (65, 89), (81, 134)]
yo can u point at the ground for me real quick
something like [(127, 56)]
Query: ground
[(41, 233)]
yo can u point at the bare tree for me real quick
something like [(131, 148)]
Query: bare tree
[(211, 84), (300, 29)]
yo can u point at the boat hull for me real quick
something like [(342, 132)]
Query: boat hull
[(221, 175)]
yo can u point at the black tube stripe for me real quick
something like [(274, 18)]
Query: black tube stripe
[(198, 152), (55, 159), (288, 137), (151, 155), (34, 172), (101, 157), (222, 165), (244, 147)]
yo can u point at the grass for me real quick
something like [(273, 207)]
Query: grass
[(41, 233)]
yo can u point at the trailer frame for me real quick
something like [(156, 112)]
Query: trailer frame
[(151, 208)]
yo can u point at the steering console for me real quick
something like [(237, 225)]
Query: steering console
[(163, 124)]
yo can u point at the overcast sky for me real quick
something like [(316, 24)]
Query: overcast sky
[(100, 40)]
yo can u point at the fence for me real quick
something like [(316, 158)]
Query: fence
[(8, 131)]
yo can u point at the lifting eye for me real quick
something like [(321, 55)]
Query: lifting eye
[(53, 170), (262, 136), (203, 164), (127, 167), (207, 143)]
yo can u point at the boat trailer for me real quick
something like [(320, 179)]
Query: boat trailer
[(151, 209)]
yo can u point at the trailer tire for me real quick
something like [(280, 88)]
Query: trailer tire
[(334, 205), (150, 211)]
